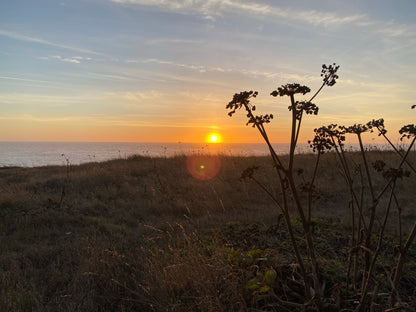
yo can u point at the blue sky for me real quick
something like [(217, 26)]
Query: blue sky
[(141, 70)]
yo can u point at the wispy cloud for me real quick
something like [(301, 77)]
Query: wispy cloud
[(72, 59), (204, 7), (82, 58), (134, 96), (37, 83), (23, 79), (216, 8), (327, 19), (257, 73), (394, 30), (66, 59), (95, 97), (199, 68), (30, 117), (160, 41), (213, 9), (42, 99), (20, 37)]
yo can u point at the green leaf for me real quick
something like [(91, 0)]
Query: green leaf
[(255, 253), (252, 285), (265, 289), (270, 276)]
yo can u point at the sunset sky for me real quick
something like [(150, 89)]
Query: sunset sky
[(164, 70)]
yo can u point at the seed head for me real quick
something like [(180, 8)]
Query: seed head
[(394, 173), (379, 165), (290, 89), (248, 172), (329, 74), (356, 128), (379, 124), (325, 137), (256, 120), (304, 106), (407, 131), (241, 99)]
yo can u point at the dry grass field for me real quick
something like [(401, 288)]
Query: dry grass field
[(142, 234)]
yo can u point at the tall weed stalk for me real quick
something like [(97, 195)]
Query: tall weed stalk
[(368, 220), (285, 172)]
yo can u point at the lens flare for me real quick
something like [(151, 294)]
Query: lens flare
[(203, 167)]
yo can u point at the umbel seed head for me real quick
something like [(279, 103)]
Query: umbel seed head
[(290, 89)]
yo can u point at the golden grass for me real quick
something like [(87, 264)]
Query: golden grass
[(141, 234)]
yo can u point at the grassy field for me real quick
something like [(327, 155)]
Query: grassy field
[(142, 234)]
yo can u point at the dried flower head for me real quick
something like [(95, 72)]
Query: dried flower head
[(379, 124), (394, 173), (325, 137), (329, 74), (290, 89), (241, 99), (256, 120), (305, 106), (248, 172), (379, 165), (407, 131), (356, 128)]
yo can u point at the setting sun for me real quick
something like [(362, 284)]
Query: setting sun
[(214, 138)]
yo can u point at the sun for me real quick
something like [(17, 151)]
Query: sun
[(214, 138)]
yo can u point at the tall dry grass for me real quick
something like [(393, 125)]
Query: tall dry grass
[(142, 234)]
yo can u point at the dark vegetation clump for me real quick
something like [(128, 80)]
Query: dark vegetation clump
[(327, 231)]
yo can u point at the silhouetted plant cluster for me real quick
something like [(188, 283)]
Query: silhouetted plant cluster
[(329, 72), (327, 137), (241, 99), (290, 89), (305, 106), (368, 220), (407, 131)]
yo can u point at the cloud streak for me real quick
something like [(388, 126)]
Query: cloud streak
[(258, 73), (66, 59), (213, 9), (216, 8), (20, 37), (23, 79), (327, 19), (161, 41)]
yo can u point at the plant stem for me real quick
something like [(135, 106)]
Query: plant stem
[(372, 207), (279, 169), (293, 133), (301, 113), (400, 263), (395, 149), (315, 171), (376, 252)]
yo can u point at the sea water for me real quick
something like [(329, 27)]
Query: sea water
[(35, 154)]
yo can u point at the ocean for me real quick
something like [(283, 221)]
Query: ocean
[(35, 154)]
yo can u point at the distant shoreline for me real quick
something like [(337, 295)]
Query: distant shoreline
[(38, 154), (162, 157)]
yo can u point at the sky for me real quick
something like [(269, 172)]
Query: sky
[(164, 70)]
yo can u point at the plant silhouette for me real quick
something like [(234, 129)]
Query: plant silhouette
[(368, 222)]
